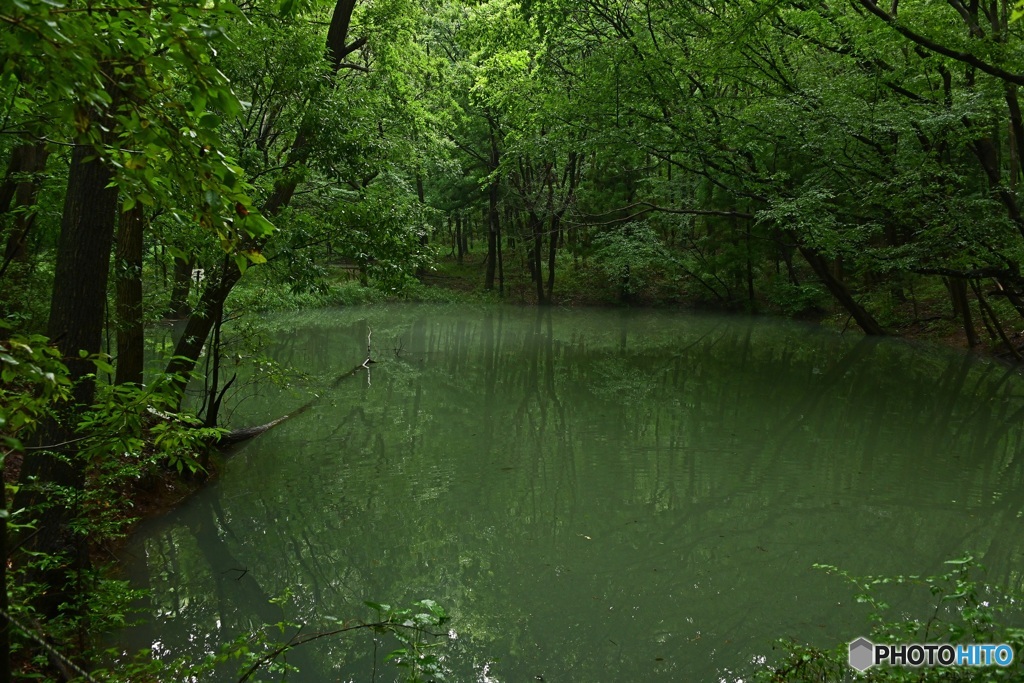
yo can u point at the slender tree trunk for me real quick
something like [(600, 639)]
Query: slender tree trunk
[(537, 228), (180, 289), (460, 244), (214, 397), (962, 308), (200, 323), (750, 267), (492, 209), (5, 624), (552, 248), (128, 267), (501, 264), (995, 326), (1016, 135), (284, 188), (570, 181), (424, 240), (509, 219), (421, 195), (83, 262), (549, 180), (27, 161)]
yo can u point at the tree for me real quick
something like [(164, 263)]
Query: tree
[(102, 80), (339, 148)]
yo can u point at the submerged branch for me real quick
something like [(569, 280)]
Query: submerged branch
[(237, 436), (240, 435)]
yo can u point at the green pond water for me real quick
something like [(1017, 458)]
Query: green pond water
[(593, 495)]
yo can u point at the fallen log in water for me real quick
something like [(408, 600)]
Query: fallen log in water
[(237, 436)]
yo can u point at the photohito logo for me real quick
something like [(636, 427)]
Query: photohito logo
[(864, 654)]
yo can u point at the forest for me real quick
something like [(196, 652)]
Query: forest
[(855, 163)]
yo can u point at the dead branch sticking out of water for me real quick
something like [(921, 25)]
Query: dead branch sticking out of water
[(237, 436)]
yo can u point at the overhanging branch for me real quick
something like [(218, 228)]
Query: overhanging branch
[(929, 44)]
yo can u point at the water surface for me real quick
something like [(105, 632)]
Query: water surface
[(593, 495)]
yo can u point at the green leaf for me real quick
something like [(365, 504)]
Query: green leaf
[(258, 226), (210, 121), (177, 253), (255, 256)]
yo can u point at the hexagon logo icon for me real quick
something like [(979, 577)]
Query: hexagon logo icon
[(862, 654)]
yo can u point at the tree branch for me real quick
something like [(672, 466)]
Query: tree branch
[(929, 44), (665, 209), (352, 47)]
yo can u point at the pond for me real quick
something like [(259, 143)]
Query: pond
[(592, 495)]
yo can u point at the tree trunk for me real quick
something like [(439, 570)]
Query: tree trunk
[(128, 267), (76, 323), (27, 160), (552, 248), (182, 285), (962, 308), (750, 268), (501, 264), (424, 237), (5, 624), (537, 228), (83, 262), (424, 240), (492, 209), (336, 51), (216, 394), (460, 244), (1016, 135), (570, 181), (839, 290), (197, 330)]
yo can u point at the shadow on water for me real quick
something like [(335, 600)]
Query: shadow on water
[(593, 495)]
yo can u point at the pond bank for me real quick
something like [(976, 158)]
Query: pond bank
[(926, 317)]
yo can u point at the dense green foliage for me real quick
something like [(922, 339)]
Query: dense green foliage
[(859, 157)]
